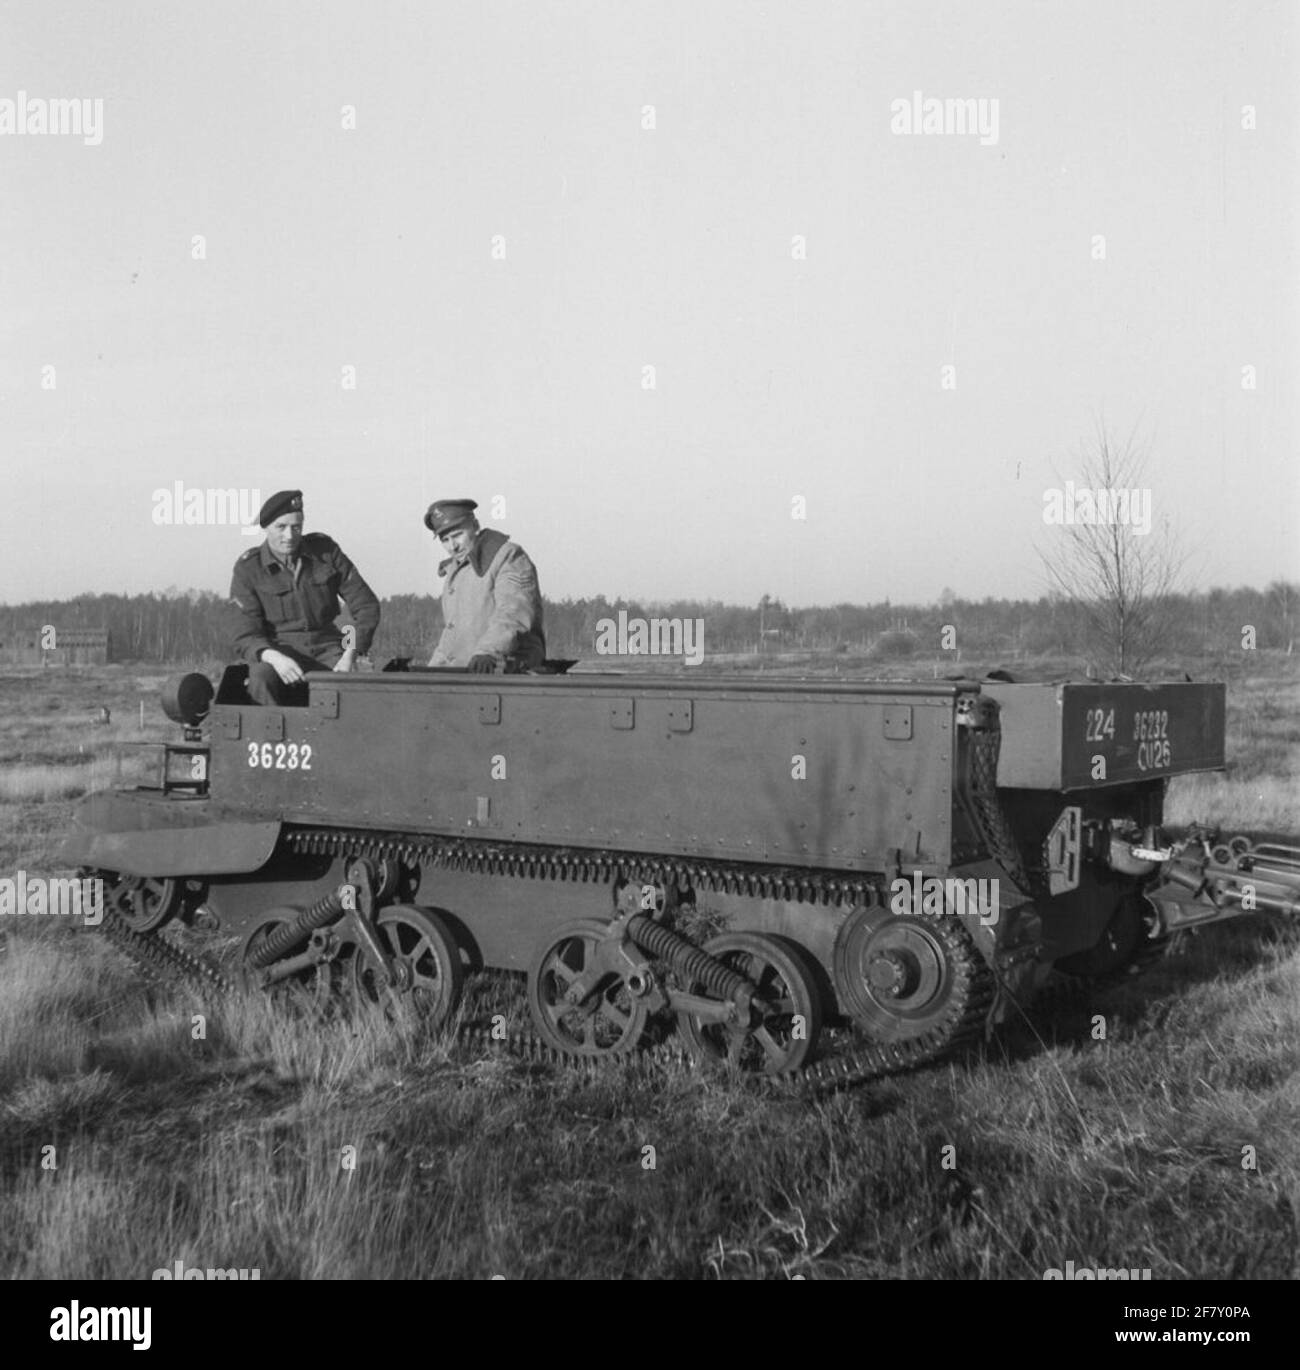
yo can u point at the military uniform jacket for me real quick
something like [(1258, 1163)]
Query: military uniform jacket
[(277, 609), (491, 605)]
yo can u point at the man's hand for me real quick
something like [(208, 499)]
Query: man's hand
[(284, 666), (483, 664), (347, 660)]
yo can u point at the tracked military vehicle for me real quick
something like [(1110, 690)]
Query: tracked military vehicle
[(892, 860)]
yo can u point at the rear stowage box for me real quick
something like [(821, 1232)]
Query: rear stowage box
[(1086, 734)]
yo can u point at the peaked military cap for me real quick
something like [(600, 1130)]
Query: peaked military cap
[(445, 514), (282, 502)]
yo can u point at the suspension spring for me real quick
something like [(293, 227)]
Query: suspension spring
[(288, 936), (691, 961)]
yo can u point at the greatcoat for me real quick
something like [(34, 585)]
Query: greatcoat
[(491, 605)]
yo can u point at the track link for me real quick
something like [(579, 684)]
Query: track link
[(1071, 991), (794, 884), (161, 958)]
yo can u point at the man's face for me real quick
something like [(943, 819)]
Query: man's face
[(458, 541), (285, 534)]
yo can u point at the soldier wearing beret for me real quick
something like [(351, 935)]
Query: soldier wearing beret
[(491, 603), (287, 592)]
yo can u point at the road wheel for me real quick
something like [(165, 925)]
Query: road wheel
[(307, 991), (142, 902), (427, 973), (785, 1020), (609, 1020)]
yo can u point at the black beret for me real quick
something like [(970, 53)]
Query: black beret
[(282, 502), (445, 514)]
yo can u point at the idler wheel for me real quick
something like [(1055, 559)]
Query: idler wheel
[(902, 975), (427, 973), (609, 1020), (142, 902), (785, 1017)]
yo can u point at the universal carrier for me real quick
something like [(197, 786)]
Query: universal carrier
[(893, 859)]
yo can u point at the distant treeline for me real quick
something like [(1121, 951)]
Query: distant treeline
[(198, 626)]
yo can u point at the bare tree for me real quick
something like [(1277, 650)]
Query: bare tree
[(1108, 553), (1280, 598)]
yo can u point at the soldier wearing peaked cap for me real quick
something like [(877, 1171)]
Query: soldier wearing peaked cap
[(287, 593), (445, 514), (491, 602)]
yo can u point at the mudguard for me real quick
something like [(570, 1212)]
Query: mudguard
[(140, 833)]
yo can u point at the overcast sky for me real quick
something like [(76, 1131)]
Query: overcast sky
[(507, 239)]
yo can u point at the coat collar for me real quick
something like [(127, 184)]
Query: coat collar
[(488, 543), (271, 562)]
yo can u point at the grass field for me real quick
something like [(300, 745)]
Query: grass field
[(1171, 1143)]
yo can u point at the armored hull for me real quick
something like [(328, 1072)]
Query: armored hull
[(881, 855)]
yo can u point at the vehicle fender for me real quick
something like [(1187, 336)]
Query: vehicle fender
[(139, 836)]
